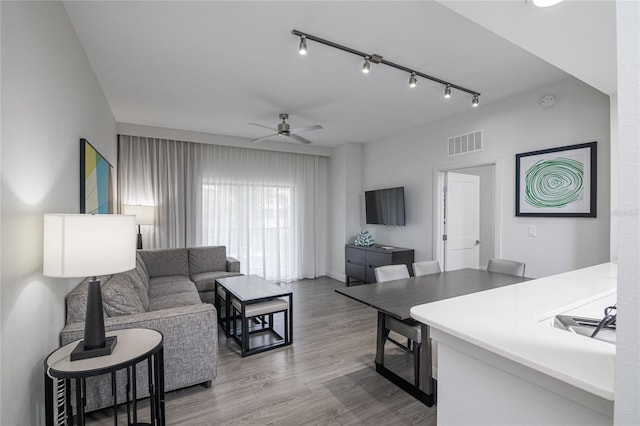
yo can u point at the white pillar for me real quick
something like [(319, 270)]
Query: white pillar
[(627, 389)]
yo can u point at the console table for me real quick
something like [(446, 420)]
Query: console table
[(134, 345), (360, 261)]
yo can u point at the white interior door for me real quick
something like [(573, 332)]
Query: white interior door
[(462, 221)]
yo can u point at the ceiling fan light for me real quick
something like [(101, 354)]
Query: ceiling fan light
[(447, 91), (302, 48), (413, 81), (366, 67), (475, 101)]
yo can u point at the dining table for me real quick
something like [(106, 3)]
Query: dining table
[(396, 298)]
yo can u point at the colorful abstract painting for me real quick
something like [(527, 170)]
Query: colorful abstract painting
[(557, 182), (96, 181)]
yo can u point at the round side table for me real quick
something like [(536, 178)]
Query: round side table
[(134, 346)]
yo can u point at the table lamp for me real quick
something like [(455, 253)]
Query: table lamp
[(81, 245), (144, 216)]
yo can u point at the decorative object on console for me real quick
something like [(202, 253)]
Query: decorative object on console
[(78, 245), (144, 216), (96, 181), (557, 182), (373, 58), (364, 239)]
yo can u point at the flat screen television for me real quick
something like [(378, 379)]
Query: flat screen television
[(385, 206)]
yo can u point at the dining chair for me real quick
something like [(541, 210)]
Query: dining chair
[(408, 328), (505, 266), (391, 272), (426, 267)]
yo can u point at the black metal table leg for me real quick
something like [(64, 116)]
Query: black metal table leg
[(80, 402), (48, 399)]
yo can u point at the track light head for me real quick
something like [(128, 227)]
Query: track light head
[(475, 101), (413, 81), (366, 67), (447, 91), (302, 48)]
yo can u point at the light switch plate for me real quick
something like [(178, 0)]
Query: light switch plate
[(531, 231)]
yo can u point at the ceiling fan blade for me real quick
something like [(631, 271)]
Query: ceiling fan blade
[(262, 125), (298, 139), (264, 138), (307, 129)]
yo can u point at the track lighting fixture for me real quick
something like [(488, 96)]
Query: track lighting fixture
[(303, 45), (366, 66), (413, 80), (370, 58), (447, 91)]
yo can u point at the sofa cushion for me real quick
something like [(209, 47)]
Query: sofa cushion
[(142, 270), (174, 301), (163, 286), (138, 285), (207, 259), (163, 262), (76, 301), (119, 296), (206, 281)]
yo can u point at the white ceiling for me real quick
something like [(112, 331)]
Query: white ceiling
[(214, 67), (577, 36)]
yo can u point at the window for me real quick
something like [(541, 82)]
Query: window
[(255, 223)]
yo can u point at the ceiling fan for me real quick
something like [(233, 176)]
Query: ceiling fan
[(285, 131)]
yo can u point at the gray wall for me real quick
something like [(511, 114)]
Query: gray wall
[(518, 124), (345, 182), (50, 99)]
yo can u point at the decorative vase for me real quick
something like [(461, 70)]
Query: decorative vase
[(364, 239)]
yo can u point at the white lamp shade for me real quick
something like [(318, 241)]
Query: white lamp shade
[(144, 214), (82, 245)]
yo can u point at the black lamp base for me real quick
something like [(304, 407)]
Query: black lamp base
[(81, 353), (95, 342)]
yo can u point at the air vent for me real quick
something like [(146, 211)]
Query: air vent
[(464, 144)]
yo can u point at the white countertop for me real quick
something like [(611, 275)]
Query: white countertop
[(515, 322)]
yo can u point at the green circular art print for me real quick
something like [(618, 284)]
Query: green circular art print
[(554, 183)]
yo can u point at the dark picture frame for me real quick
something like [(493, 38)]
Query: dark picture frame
[(97, 187), (557, 182)]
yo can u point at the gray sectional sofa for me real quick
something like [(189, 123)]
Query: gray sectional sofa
[(172, 291)]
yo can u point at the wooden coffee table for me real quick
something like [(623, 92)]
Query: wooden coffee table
[(251, 292)]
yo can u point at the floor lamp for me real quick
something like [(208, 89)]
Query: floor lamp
[(81, 245), (144, 216)]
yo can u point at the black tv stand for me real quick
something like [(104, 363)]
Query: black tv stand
[(360, 261)]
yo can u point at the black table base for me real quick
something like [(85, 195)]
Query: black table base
[(409, 388)]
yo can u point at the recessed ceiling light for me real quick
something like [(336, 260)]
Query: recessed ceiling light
[(546, 3)]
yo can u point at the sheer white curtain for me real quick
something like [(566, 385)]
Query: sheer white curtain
[(152, 172), (262, 205)]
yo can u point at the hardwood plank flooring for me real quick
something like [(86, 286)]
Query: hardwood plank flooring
[(327, 377)]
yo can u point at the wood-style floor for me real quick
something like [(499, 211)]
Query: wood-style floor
[(327, 377)]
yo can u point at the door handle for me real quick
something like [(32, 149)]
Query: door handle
[(477, 242)]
